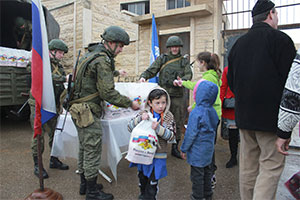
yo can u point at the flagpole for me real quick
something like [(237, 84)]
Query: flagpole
[(40, 163)]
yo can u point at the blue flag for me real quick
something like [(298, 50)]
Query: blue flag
[(154, 48)]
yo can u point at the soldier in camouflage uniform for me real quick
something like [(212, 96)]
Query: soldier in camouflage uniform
[(94, 84), (23, 33), (57, 50), (170, 66)]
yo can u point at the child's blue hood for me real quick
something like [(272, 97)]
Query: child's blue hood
[(206, 93)]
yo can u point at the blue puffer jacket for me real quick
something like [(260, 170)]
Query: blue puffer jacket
[(199, 137)]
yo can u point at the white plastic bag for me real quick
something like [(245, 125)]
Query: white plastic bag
[(143, 143)]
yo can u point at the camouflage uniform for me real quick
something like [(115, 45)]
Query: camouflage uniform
[(95, 76), (23, 33), (58, 78), (94, 50)]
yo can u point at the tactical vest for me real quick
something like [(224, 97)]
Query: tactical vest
[(169, 72), (85, 89)]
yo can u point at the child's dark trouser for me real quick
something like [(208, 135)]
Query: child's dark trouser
[(201, 182), (148, 186)]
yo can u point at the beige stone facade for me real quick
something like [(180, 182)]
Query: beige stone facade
[(82, 21)]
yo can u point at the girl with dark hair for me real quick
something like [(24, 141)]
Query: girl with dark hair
[(210, 61)]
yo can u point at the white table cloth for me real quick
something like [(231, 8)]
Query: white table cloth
[(115, 141)]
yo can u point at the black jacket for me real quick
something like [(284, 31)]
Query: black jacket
[(259, 63)]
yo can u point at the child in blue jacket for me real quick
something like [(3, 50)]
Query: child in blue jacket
[(198, 143)]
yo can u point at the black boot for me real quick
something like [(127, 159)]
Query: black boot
[(233, 146), (231, 163), (36, 168), (57, 164), (93, 193), (175, 152), (82, 189)]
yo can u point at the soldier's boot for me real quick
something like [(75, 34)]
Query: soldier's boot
[(36, 168), (82, 189), (93, 193), (175, 152), (57, 164), (142, 184)]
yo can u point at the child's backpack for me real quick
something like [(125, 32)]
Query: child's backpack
[(143, 143)]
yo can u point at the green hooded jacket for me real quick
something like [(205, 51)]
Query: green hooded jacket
[(212, 76)]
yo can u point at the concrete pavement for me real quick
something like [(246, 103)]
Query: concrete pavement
[(17, 179)]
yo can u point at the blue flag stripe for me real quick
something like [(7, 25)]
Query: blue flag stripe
[(37, 33)]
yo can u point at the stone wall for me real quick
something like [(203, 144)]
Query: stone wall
[(104, 17), (158, 6), (64, 17), (86, 25)]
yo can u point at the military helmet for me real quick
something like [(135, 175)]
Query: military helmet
[(115, 34), (57, 44), (19, 21), (174, 41)]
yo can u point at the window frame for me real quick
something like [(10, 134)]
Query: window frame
[(176, 4), (136, 4)]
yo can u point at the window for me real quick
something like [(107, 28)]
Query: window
[(172, 4), (139, 8)]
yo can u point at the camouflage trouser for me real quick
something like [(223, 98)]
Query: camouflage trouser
[(90, 147), (176, 109), (48, 127)]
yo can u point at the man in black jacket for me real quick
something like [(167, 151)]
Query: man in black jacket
[(259, 63)]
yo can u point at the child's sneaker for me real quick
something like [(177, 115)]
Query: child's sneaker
[(213, 181)]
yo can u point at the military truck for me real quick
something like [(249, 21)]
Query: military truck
[(14, 78)]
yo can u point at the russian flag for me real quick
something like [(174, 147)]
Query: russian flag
[(154, 48), (41, 85)]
